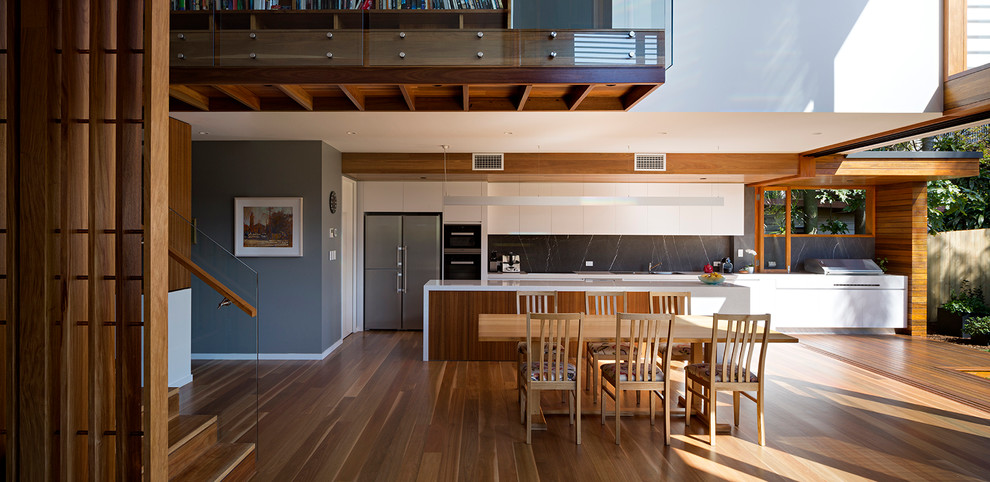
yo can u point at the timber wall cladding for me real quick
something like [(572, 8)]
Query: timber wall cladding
[(72, 232), (902, 238)]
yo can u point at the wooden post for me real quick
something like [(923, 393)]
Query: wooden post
[(35, 139), (902, 237), (156, 137), (129, 234)]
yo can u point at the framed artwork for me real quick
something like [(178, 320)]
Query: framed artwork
[(268, 226)]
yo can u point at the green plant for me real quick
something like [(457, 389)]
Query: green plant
[(882, 264), (833, 226), (969, 300), (977, 325)]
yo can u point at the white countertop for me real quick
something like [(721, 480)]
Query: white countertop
[(576, 285)]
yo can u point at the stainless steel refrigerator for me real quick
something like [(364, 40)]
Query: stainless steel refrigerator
[(401, 253)]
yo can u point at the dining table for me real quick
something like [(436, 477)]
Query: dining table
[(693, 329)]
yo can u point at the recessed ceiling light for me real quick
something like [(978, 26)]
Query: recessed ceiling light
[(351, 133), (507, 133), (816, 133), (703, 178), (662, 133), (203, 133)]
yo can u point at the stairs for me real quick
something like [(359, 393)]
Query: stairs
[(194, 452)]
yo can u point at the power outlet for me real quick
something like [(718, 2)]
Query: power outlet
[(589, 263), (332, 255), (739, 253)]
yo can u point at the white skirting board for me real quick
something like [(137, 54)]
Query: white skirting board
[(268, 356)]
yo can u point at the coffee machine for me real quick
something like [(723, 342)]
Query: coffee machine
[(511, 263)]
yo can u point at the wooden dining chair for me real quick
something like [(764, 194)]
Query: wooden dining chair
[(531, 302), (674, 303), (602, 303), (551, 369), (737, 371), (646, 368)]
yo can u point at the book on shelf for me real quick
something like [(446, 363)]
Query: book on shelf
[(226, 5)]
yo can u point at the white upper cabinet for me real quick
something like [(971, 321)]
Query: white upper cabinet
[(728, 219), (599, 219), (695, 219), (503, 219), (458, 213), (425, 197), (534, 219), (381, 196), (724, 220), (567, 219), (632, 219)]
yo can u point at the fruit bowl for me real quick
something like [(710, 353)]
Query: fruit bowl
[(712, 279)]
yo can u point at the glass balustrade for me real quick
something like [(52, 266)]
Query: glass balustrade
[(419, 33), (214, 333)]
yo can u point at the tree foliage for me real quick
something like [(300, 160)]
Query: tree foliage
[(956, 204)]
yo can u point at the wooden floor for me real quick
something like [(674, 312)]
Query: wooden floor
[(374, 411), (939, 368)]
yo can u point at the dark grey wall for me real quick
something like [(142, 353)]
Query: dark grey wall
[(295, 314)]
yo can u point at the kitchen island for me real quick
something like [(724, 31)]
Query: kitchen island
[(451, 308), (798, 302)]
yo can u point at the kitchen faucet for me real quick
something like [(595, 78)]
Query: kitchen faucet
[(653, 266)]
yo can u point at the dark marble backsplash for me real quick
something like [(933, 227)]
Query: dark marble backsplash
[(567, 253)]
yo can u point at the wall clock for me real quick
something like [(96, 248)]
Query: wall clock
[(333, 202)]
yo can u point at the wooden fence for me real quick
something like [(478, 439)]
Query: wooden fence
[(952, 257)]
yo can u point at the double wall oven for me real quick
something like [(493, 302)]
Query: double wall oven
[(462, 251)]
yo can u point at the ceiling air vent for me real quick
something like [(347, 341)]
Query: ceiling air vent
[(487, 162), (651, 162)]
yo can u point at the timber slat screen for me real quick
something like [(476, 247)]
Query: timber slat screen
[(82, 240)]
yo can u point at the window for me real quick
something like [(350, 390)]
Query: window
[(786, 213)]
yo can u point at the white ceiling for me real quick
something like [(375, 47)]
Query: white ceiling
[(413, 132)]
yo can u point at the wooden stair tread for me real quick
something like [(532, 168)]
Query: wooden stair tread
[(183, 428), (216, 463)]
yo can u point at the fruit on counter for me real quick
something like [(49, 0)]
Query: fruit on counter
[(709, 269), (712, 277)]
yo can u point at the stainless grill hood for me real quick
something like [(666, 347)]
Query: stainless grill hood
[(842, 266)]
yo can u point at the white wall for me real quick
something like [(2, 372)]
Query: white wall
[(179, 337), (803, 56)]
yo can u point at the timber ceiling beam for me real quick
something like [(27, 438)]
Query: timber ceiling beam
[(577, 95), (636, 94), (523, 97), (355, 95), (241, 94), (189, 96), (408, 96), (273, 75), (298, 94)]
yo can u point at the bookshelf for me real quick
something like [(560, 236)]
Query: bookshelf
[(348, 18)]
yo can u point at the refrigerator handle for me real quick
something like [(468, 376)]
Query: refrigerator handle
[(398, 282), (398, 256), (405, 259)]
